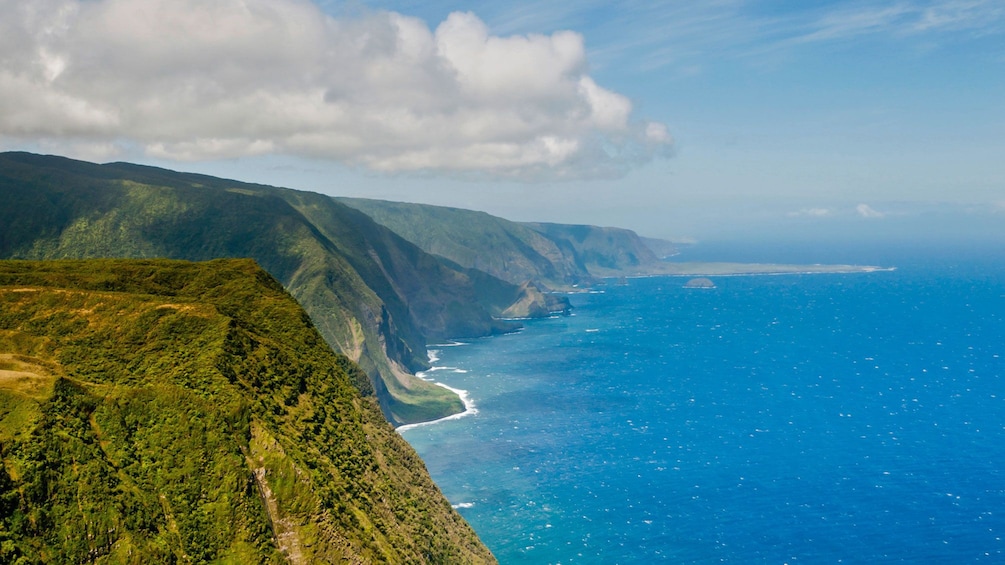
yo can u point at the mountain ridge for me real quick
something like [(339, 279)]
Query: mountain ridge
[(373, 295), (563, 257), (558, 256)]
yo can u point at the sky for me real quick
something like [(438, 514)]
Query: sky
[(682, 120)]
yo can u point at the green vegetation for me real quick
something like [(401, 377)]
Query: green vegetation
[(157, 411), (603, 252), (373, 296), (476, 240), (557, 256)]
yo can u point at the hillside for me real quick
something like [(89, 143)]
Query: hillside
[(601, 251), (556, 255), (166, 411), (373, 295), (476, 240)]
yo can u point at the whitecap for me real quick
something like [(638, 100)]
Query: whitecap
[(469, 410)]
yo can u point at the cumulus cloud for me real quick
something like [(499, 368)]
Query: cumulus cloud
[(208, 79), (867, 211)]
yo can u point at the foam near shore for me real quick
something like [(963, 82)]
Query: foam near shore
[(469, 405), (469, 409)]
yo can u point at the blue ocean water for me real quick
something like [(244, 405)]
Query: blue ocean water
[(845, 418)]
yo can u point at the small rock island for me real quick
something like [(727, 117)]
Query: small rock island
[(700, 282)]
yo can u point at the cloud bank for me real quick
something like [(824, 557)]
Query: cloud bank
[(211, 79)]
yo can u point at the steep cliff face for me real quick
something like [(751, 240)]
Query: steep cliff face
[(509, 250), (536, 303), (600, 251), (158, 411), (373, 295), (554, 255)]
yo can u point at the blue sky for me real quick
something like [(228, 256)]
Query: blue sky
[(702, 120)]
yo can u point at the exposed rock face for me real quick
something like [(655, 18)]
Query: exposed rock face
[(700, 282), (535, 303)]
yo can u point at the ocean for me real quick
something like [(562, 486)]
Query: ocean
[(844, 418)]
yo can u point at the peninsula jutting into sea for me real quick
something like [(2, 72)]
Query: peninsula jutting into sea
[(700, 268)]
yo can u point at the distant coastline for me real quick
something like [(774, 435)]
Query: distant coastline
[(701, 268)]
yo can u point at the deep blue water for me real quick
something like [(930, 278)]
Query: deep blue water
[(782, 419)]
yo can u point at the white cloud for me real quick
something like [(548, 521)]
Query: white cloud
[(867, 211), (689, 36), (812, 212), (905, 18), (206, 79)]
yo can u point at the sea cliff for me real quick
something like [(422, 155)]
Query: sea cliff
[(161, 411), (373, 296)]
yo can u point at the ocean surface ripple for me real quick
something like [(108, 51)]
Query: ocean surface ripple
[(786, 419)]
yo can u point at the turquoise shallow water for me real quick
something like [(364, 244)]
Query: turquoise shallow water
[(816, 418)]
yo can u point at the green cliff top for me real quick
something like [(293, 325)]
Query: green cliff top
[(167, 411)]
